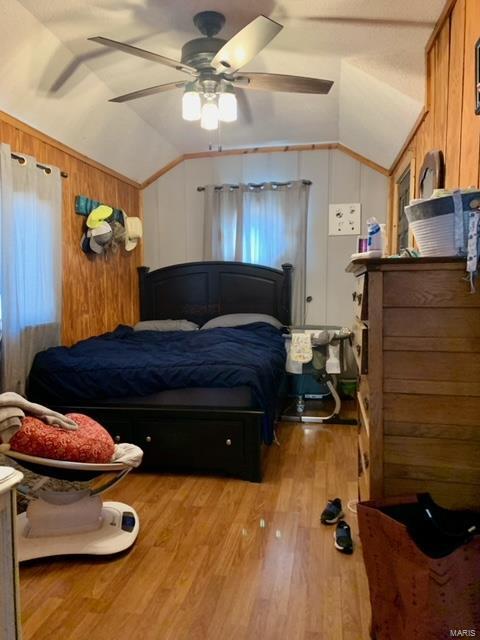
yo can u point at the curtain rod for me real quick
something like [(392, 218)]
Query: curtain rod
[(256, 185), (22, 160)]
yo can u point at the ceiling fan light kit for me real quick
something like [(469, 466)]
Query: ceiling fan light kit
[(210, 116), (214, 64), (211, 102), (191, 103)]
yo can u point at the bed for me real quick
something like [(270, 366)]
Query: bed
[(188, 425)]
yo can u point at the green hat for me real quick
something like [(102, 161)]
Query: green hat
[(98, 215)]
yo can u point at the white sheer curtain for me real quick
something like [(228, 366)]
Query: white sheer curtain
[(223, 223), (31, 264), (262, 224)]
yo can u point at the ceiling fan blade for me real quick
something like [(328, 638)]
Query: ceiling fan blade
[(151, 91), (142, 53), (279, 82), (363, 21), (245, 45)]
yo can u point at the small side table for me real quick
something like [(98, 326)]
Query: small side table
[(9, 594)]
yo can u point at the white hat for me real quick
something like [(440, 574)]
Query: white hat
[(100, 237), (133, 232)]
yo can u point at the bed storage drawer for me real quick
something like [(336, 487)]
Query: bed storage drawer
[(208, 444), (228, 442)]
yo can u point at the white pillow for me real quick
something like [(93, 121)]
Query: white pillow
[(239, 319), (165, 325)]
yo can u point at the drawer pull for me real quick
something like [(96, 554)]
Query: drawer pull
[(358, 348), (148, 439), (228, 442), (117, 438), (359, 298), (354, 296)]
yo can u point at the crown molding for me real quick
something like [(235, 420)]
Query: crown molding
[(318, 146)]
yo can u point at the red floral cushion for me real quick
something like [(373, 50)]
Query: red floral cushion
[(89, 443)]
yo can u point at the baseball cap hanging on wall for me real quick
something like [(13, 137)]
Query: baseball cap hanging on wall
[(98, 215), (100, 238), (133, 231)]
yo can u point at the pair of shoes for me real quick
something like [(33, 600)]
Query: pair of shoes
[(333, 514)]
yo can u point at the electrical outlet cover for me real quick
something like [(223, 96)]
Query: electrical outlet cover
[(344, 219)]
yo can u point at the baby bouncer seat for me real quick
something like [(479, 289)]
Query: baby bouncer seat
[(315, 357), (72, 520)]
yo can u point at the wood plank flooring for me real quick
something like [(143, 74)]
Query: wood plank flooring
[(219, 559)]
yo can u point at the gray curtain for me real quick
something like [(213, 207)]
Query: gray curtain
[(261, 224)]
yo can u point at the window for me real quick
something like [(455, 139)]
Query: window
[(262, 224)]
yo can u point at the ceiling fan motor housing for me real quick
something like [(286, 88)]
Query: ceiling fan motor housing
[(200, 52)]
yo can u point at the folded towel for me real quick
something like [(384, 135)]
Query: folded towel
[(13, 406), (301, 349)]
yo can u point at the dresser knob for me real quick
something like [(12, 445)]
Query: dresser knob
[(148, 439), (228, 442), (117, 438)]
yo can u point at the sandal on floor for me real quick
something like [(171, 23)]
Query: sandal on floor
[(343, 538), (332, 512)]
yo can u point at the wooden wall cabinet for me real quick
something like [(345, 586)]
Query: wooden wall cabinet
[(417, 345)]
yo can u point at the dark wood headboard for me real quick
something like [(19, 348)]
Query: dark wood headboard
[(200, 291)]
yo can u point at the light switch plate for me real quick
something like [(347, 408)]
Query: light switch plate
[(344, 219)]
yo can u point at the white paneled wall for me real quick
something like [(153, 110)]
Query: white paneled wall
[(173, 210)]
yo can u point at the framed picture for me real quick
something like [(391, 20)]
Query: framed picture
[(432, 174), (477, 78)]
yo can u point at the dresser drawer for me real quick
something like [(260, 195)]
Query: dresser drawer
[(363, 461), (363, 400), (360, 346), (360, 298)]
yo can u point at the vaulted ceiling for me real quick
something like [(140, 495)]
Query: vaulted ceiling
[(55, 80)]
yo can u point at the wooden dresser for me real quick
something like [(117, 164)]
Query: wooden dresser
[(417, 346)]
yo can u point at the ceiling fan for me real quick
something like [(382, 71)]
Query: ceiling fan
[(214, 65)]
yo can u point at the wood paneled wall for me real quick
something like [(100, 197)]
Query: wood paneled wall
[(449, 122), (98, 293)]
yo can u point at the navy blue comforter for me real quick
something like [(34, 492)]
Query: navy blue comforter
[(138, 363)]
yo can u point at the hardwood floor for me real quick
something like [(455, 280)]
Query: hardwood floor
[(219, 559)]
